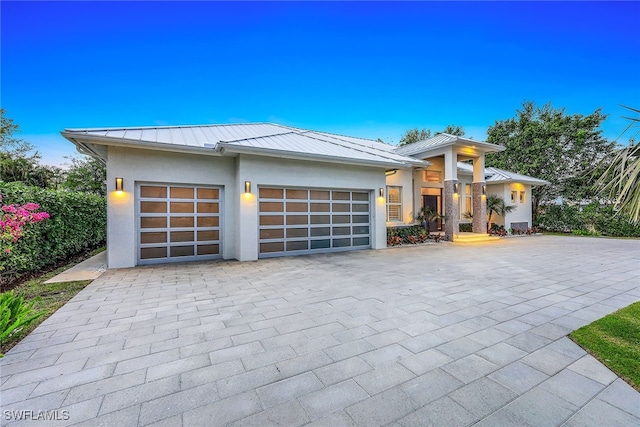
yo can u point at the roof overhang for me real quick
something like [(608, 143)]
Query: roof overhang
[(463, 150), (533, 182), (95, 146)]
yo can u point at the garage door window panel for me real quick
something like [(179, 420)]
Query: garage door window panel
[(293, 233), (181, 193), (272, 220), (153, 192), (153, 222)]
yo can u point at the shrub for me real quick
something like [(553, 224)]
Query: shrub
[(592, 220), (77, 222), (466, 227), (410, 234), (560, 218)]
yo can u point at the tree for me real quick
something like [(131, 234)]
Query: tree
[(453, 130), (414, 135), (87, 175), (620, 181), (19, 162), (8, 143), (546, 143), (498, 206)]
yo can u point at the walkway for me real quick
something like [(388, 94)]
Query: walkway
[(412, 336)]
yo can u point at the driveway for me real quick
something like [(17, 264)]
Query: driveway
[(440, 334)]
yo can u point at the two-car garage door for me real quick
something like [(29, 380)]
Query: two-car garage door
[(182, 223), (298, 221)]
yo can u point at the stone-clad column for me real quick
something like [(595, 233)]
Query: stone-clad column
[(451, 211), (479, 208)]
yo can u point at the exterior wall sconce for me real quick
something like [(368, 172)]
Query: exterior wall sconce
[(247, 187), (119, 184), (456, 188), (484, 189), (381, 193)]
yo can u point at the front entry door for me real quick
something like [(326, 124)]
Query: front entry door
[(433, 202)]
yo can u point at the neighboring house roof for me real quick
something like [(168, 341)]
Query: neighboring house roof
[(443, 140), (265, 139), (498, 176)]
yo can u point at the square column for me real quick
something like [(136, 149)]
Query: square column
[(479, 201), (451, 210), (479, 208)]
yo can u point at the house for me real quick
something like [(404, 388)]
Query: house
[(248, 191)]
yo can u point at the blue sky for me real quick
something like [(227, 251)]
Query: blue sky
[(364, 69)]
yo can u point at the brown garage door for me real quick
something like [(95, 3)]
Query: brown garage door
[(299, 221), (178, 223)]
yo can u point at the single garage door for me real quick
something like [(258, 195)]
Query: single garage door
[(178, 223), (300, 221)]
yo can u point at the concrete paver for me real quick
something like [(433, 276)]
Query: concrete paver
[(441, 334)]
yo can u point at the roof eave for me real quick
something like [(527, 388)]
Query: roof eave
[(536, 183), (83, 140)]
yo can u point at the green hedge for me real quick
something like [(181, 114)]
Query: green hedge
[(78, 221), (593, 219)]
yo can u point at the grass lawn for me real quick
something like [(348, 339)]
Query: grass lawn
[(47, 297), (615, 341)]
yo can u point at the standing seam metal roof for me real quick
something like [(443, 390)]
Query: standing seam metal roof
[(259, 136), (440, 140)]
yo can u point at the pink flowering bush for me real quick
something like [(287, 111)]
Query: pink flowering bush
[(33, 240), (13, 219)]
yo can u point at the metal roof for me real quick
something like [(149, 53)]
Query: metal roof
[(501, 175), (495, 175), (442, 140), (256, 138)]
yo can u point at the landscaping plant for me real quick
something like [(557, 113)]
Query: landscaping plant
[(13, 219), (15, 314), (76, 223)]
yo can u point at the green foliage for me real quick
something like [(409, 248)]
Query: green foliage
[(86, 174), (547, 143), (77, 222), (412, 235), (560, 218), (615, 341), (453, 130), (592, 220), (15, 313), (620, 182), (466, 227), (403, 232), (19, 162), (497, 205), (414, 135), (585, 233)]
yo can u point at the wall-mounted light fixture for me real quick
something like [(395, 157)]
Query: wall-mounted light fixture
[(119, 184), (484, 189), (456, 188), (381, 192), (247, 186)]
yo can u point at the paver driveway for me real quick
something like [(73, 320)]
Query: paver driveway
[(434, 335)]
